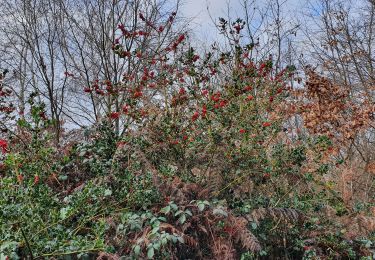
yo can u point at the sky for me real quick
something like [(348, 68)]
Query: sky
[(200, 11)]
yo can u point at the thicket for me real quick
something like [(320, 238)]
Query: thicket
[(200, 162)]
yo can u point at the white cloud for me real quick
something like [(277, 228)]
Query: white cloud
[(202, 24), (201, 10)]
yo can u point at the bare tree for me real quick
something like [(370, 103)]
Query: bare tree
[(341, 39), (267, 30), (33, 29), (340, 44), (90, 37), (59, 48)]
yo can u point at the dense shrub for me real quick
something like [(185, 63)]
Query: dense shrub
[(200, 162)]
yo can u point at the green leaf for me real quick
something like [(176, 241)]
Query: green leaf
[(220, 212), (137, 250), (63, 177), (156, 223), (201, 206), (166, 209), (150, 252), (162, 219), (178, 213), (182, 219), (254, 225), (164, 241), (8, 244), (23, 123), (173, 206), (64, 212), (155, 230), (156, 245), (180, 239), (107, 192)]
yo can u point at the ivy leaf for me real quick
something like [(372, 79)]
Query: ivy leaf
[(164, 241), (201, 206), (220, 212), (182, 218), (156, 245), (150, 252), (155, 230), (166, 209), (162, 219), (178, 213), (174, 206)]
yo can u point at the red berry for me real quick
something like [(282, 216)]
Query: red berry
[(36, 179), (121, 144), (181, 38), (125, 109), (138, 94), (195, 116), (248, 88), (20, 178), (266, 124), (3, 145), (249, 98), (204, 111), (182, 91), (114, 115)]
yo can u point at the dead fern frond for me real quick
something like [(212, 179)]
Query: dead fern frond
[(107, 256), (244, 236), (180, 192), (223, 249), (285, 214), (359, 226)]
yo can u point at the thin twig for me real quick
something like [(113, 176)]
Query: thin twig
[(27, 244)]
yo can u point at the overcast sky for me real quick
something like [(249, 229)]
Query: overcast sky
[(200, 11)]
